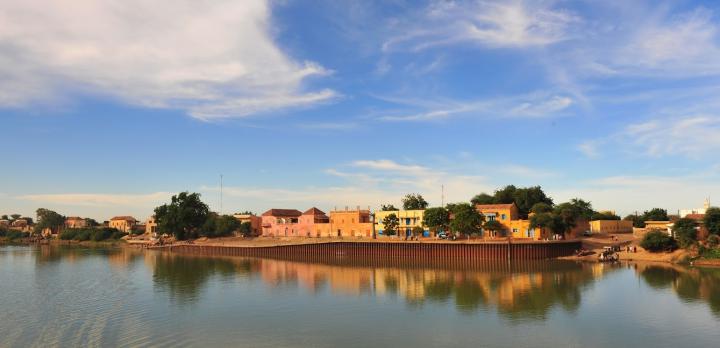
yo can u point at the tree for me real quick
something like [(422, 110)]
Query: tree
[(417, 231), (466, 219), (183, 217), (712, 220), (388, 207), (482, 198), (246, 228), (391, 223), (524, 197), (4, 217), (91, 222), (657, 240), (582, 208), (655, 214), (569, 213), (48, 219), (15, 216), (414, 201), (28, 219), (493, 226), (436, 219), (604, 216), (636, 219), (541, 207), (219, 226), (548, 221), (685, 232)]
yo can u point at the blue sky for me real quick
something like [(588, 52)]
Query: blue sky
[(109, 108)]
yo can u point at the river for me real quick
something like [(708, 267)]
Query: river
[(79, 296)]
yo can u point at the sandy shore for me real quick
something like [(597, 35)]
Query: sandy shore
[(597, 243)]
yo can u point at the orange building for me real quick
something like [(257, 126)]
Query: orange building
[(351, 223), (254, 220)]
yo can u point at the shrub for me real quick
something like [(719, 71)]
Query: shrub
[(713, 241), (685, 232), (657, 240), (94, 234)]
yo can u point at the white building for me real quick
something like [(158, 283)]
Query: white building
[(686, 212)]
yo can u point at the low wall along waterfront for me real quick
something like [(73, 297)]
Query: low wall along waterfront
[(403, 251)]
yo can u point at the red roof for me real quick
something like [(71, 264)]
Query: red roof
[(282, 212), (695, 216), (314, 211)]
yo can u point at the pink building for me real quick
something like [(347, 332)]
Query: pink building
[(293, 223), (280, 222)]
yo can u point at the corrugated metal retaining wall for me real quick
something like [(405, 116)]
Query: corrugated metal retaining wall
[(439, 251)]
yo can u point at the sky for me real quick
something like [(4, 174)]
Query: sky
[(110, 107)]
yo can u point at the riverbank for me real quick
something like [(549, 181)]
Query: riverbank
[(596, 244)]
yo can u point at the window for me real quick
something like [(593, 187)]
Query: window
[(502, 217), (515, 230)]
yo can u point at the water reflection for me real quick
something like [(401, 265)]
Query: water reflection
[(689, 284), (518, 291)]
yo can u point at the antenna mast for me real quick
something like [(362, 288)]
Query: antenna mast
[(221, 197)]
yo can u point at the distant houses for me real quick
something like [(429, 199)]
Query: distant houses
[(123, 223)]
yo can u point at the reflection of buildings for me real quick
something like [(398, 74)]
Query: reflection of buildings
[(689, 284)]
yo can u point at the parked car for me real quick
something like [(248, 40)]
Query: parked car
[(443, 235), (587, 233)]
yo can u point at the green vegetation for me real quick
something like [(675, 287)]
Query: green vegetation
[(91, 234), (604, 216), (685, 232), (656, 240), (436, 219), (219, 226), (391, 223), (388, 207), (654, 214), (48, 219), (417, 231), (246, 229), (12, 235), (712, 221), (184, 217), (466, 219), (414, 201), (494, 226), (523, 197)]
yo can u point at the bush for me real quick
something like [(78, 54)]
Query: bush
[(13, 235), (657, 240), (685, 232), (94, 234), (713, 241)]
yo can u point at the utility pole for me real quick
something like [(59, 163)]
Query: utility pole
[(442, 195), (221, 197)]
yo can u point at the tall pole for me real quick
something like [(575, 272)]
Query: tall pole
[(221, 197), (442, 195)]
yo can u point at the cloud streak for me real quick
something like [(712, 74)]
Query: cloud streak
[(213, 59)]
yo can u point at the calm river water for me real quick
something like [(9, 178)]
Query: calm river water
[(74, 296)]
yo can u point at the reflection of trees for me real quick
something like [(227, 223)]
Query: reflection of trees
[(184, 276), (72, 253), (690, 284)]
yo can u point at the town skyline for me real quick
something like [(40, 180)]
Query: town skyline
[(357, 104)]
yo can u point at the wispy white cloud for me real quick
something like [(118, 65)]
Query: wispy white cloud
[(692, 136), (535, 105), (98, 199), (487, 23), (213, 59)]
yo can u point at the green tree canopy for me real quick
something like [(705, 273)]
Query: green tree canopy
[(388, 207), (655, 214), (219, 226), (246, 229), (414, 201), (636, 219), (391, 223), (657, 240), (685, 232), (712, 220), (482, 198), (541, 207), (466, 219), (183, 217), (436, 219), (604, 216), (549, 221), (48, 219), (4, 217), (15, 216)]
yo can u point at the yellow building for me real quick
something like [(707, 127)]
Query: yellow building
[(508, 216), (611, 226), (658, 225), (123, 223), (408, 219), (151, 226)]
